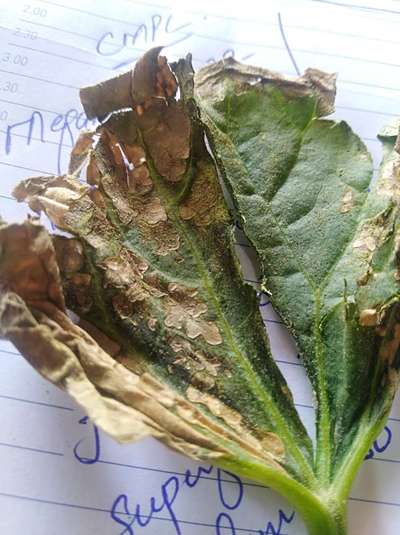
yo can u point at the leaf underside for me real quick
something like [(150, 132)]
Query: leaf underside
[(169, 340), (328, 247), (151, 265)]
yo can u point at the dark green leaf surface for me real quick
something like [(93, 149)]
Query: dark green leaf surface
[(326, 246)]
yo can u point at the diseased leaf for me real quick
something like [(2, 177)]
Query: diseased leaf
[(151, 265), (327, 247), (168, 340)]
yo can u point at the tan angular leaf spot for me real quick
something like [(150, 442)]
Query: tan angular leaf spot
[(347, 202), (154, 212), (208, 330)]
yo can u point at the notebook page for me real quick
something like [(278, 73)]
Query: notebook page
[(60, 475)]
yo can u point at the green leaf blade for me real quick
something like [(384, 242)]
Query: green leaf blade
[(301, 185)]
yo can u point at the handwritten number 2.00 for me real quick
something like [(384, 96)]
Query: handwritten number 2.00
[(36, 11)]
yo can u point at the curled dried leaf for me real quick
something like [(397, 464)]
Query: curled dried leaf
[(143, 271), (213, 80)]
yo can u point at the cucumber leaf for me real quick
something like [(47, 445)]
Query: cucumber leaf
[(328, 246), (149, 268), (137, 307)]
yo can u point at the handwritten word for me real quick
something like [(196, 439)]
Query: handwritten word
[(230, 53), (96, 455), (63, 124), (378, 446), (169, 492), (224, 518), (146, 33), (282, 519)]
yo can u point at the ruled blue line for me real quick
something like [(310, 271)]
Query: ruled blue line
[(26, 169), (38, 450), (172, 472), (54, 54), (365, 110), (289, 362), (187, 522), (392, 419), (198, 12), (278, 322), (384, 460), (378, 502), (8, 198), (30, 107), (93, 14), (102, 510), (133, 466), (64, 30), (358, 7), (32, 402), (33, 138), (53, 82), (6, 350), (304, 405)]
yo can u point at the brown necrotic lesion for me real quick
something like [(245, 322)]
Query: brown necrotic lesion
[(149, 348)]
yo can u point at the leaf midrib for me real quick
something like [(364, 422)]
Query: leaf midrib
[(285, 432), (323, 453)]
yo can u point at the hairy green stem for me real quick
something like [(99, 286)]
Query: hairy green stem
[(321, 510), (323, 453)]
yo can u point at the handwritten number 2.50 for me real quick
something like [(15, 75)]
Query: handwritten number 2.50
[(26, 33)]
